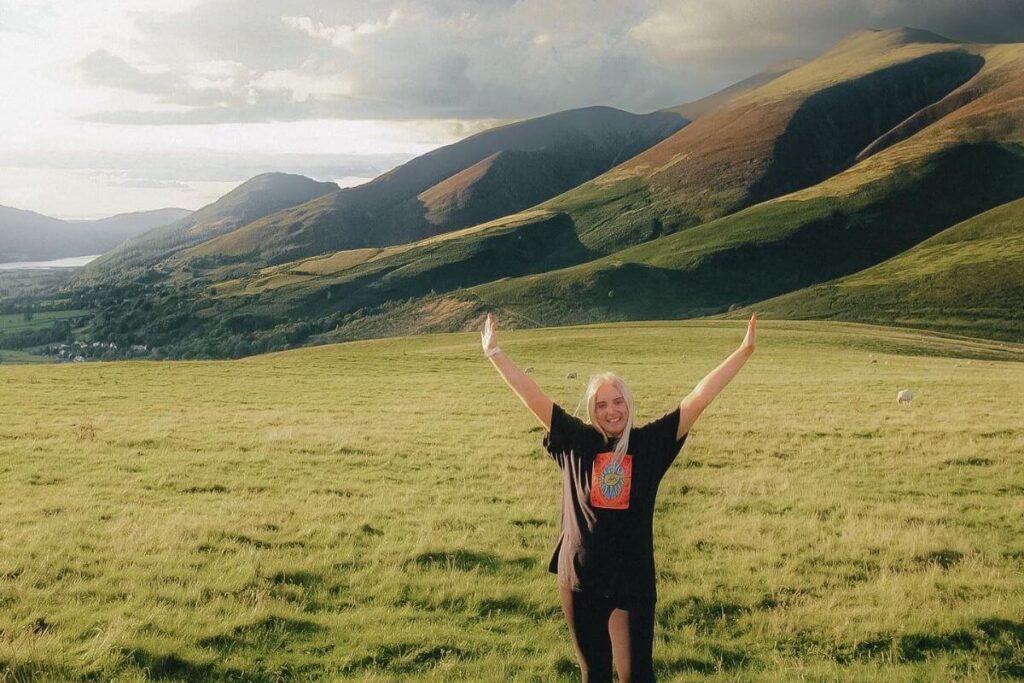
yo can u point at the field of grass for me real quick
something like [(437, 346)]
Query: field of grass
[(383, 510), (16, 322), (9, 356), (17, 284)]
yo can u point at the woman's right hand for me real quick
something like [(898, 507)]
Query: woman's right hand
[(489, 337)]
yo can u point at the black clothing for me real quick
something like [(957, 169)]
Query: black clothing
[(606, 544), (596, 635)]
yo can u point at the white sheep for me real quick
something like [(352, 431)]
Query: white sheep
[(904, 396)]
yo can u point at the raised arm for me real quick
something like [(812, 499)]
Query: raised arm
[(705, 392), (524, 387)]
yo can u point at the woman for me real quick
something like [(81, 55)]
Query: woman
[(610, 475)]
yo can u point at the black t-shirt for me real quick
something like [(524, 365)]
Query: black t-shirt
[(606, 542)]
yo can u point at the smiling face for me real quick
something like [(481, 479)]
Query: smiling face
[(611, 411)]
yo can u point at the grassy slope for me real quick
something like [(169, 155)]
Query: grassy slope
[(696, 109), (15, 322), (383, 511), (817, 90), (353, 279), (967, 163), (794, 131), (967, 278), (261, 195), (509, 181), (392, 209), (919, 180), (616, 207)]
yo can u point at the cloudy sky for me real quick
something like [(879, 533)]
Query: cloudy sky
[(141, 104)]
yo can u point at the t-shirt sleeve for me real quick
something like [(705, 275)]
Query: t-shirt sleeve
[(565, 435), (661, 436)]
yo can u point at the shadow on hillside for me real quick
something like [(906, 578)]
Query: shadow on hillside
[(832, 126)]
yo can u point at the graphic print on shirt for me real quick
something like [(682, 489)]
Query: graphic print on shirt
[(609, 487)]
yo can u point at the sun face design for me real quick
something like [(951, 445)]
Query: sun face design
[(611, 480)]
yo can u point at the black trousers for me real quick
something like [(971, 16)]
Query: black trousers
[(604, 629)]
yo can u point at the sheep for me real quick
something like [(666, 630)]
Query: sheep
[(904, 396)]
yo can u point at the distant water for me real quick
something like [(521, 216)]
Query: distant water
[(71, 262)]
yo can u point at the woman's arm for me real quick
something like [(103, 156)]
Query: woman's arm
[(705, 392), (524, 387)]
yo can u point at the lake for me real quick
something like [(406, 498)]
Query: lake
[(70, 262)]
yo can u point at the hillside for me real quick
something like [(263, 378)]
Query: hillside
[(894, 136), (966, 162), (483, 177), (19, 231), (257, 197), (966, 279), (705, 105), (963, 164), (792, 132), (30, 236)]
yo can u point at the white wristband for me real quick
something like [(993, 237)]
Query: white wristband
[(491, 352)]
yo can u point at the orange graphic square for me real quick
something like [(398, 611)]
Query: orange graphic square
[(609, 487)]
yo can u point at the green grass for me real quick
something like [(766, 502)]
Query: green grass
[(21, 357), (776, 247), (383, 511), (15, 322), (30, 282), (968, 278), (893, 136)]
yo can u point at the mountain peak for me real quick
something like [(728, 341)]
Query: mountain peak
[(276, 179), (888, 37)]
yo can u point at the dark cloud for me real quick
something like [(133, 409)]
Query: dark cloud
[(277, 60), (731, 36), (973, 21)]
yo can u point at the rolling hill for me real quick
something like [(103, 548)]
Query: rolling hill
[(485, 176), (791, 133), (257, 197), (965, 279), (833, 167), (705, 105), (30, 236), (966, 162)]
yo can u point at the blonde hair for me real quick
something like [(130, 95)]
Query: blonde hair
[(590, 399)]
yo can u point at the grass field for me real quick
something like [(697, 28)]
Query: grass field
[(383, 511), (33, 283), (15, 322), (9, 356)]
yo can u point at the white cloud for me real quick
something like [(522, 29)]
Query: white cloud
[(342, 35), (303, 87), (222, 74)]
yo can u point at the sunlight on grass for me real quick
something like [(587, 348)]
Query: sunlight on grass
[(384, 511)]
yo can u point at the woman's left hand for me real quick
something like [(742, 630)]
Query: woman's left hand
[(750, 341), (489, 335)]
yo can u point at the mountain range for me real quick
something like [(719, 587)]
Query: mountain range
[(838, 187), (31, 236)]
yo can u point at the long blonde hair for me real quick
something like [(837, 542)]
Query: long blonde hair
[(590, 399)]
